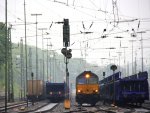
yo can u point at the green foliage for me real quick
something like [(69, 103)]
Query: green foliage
[(2, 43), (16, 90), (2, 55), (2, 78)]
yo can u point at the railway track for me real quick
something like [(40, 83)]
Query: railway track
[(101, 108), (106, 109), (2, 108), (85, 108), (123, 109), (22, 107)]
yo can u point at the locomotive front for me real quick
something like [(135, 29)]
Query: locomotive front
[(87, 88)]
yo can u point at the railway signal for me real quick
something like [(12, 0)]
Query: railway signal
[(113, 67), (104, 74), (66, 53), (66, 33)]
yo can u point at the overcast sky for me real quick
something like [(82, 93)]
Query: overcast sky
[(117, 17)]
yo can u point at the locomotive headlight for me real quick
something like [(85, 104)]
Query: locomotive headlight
[(96, 90), (87, 75), (79, 91), (50, 93), (59, 92)]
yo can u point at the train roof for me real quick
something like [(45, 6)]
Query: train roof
[(140, 75), (49, 83), (136, 77), (110, 78), (85, 72), (130, 80)]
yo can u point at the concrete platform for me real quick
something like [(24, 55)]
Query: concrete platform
[(46, 108)]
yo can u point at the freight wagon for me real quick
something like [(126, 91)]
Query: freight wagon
[(35, 89), (132, 89)]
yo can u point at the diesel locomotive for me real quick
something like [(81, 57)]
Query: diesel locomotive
[(87, 88)]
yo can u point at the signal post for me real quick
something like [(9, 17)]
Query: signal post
[(68, 55), (113, 67)]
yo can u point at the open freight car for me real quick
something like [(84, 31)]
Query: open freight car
[(132, 89)]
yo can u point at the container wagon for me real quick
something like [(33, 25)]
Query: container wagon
[(35, 89)]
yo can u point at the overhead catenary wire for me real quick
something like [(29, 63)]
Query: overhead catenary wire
[(92, 20), (83, 7)]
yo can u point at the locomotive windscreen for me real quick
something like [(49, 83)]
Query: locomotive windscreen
[(55, 87), (81, 81), (91, 80)]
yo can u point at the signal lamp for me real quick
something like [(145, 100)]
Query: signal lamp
[(50, 93), (87, 75)]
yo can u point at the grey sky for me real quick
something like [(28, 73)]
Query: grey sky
[(129, 13)]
